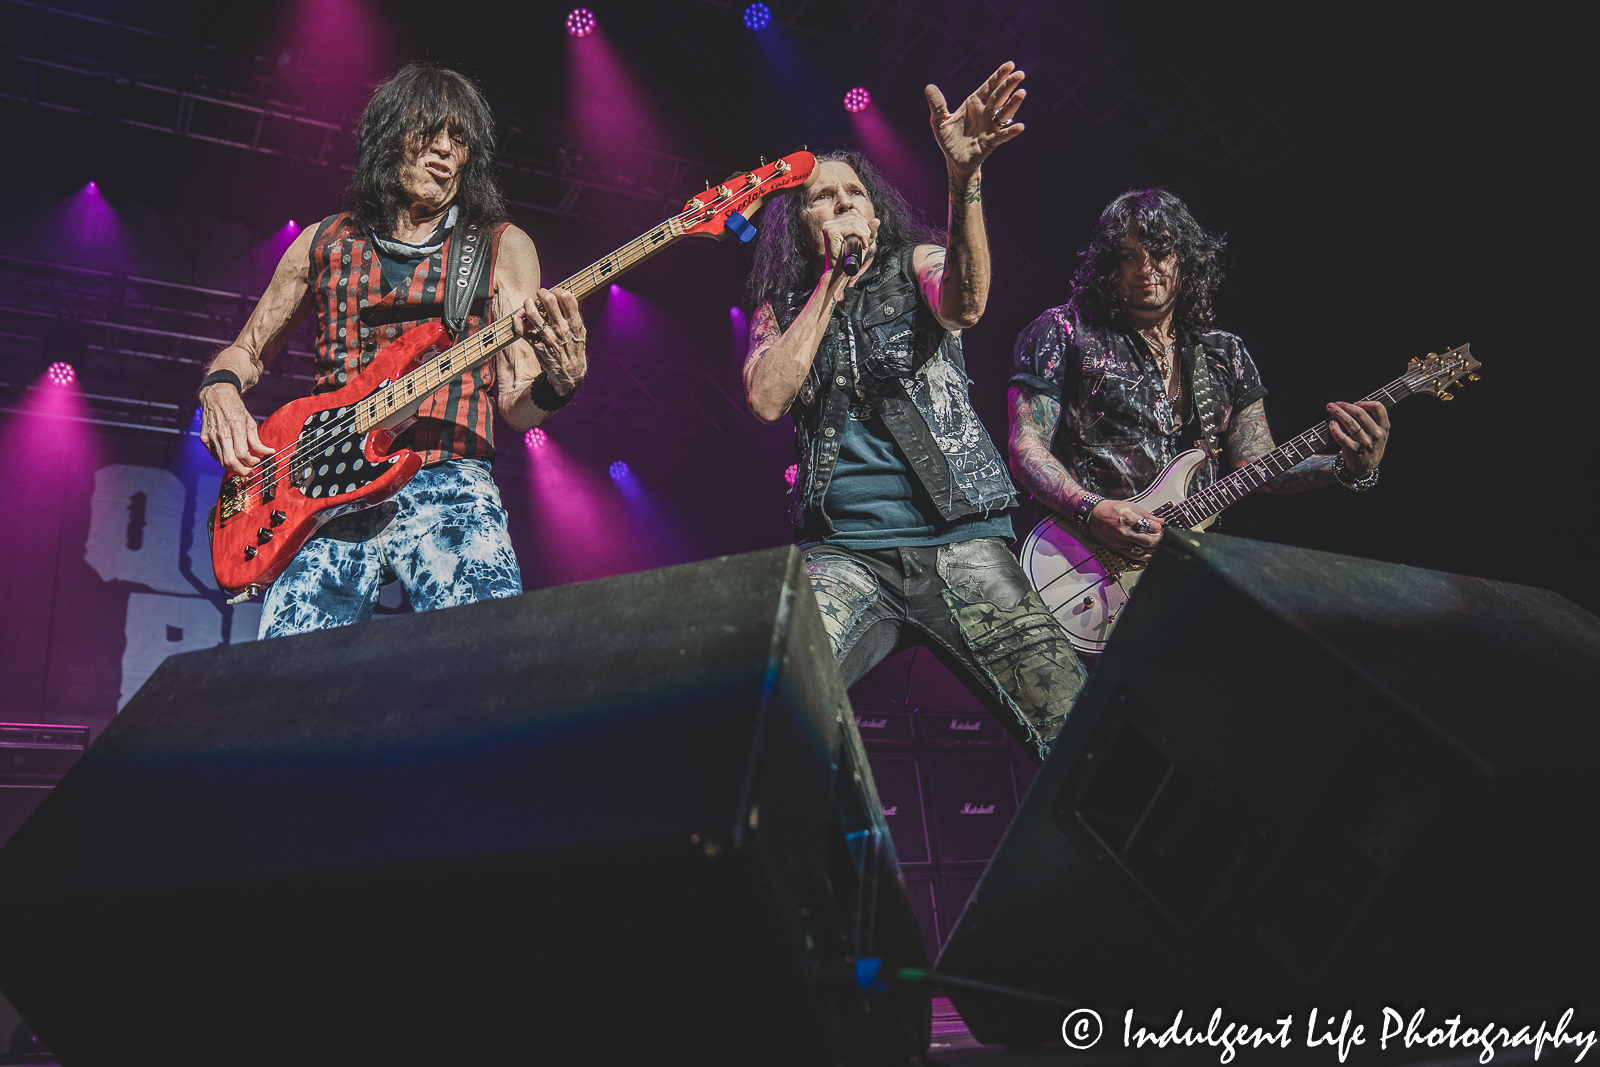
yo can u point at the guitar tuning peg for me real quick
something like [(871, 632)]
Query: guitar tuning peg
[(1472, 377), (763, 161), (1447, 396), (1416, 359)]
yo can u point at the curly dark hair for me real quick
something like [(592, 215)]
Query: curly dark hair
[(1162, 224), (414, 105), (782, 263)]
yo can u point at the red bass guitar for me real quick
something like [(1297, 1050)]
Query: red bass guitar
[(335, 452)]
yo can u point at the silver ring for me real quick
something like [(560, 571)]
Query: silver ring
[(1143, 526), (1136, 551), (1000, 122)]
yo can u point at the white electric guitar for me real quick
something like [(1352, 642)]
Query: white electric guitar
[(1086, 585)]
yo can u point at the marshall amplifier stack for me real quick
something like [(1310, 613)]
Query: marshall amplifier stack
[(33, 757), (949, 781)]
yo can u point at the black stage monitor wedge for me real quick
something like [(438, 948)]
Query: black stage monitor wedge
[(576, 826), (1299, 779)]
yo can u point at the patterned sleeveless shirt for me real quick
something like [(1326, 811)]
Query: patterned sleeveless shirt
[(356, 320)]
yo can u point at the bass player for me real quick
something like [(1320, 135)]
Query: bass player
[(424, 207), (1110, 387)]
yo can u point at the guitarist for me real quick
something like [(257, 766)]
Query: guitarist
[(900, 496), (424, 180), (1110, 387)]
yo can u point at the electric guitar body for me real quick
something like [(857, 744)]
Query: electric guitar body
[(323, 466), (1087, 586)]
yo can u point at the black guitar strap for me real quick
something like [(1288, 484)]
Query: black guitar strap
[(463, 272)]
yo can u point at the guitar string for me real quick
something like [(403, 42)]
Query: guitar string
[(1220, 494), (628, 256)]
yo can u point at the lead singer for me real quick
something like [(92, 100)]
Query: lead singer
[(900, 495)]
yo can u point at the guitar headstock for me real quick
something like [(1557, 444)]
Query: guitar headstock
[(726, 208), (1435, 373)]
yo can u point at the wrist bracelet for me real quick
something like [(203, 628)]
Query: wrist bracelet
[(216, 377), (545, 396), (1341, 471), (1084, 509)]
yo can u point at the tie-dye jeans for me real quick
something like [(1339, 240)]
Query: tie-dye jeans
[(443, 536), (968, 603)]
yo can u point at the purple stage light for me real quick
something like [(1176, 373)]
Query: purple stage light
[(757, 16), (791, 474), (857, 99), (61, 374), (619, 471), (93, 187), (536, 438), (580, 22)]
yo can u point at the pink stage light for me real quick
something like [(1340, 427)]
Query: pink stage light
[(856, 100), (60, 374), (791, 474), (580, 22), (536, 438)]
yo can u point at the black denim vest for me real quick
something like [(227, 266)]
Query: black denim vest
[(913, 368)]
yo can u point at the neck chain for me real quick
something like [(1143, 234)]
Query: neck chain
[(1162, 350)]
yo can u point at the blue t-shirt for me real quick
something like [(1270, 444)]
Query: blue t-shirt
[(874, 502)]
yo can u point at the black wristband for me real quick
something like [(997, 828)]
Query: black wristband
[(216, 377), (544, 394), (1084, 509)]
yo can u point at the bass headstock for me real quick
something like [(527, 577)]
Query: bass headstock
[(1436, 372), (726, 208)]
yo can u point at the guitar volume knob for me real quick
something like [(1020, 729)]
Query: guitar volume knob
[(263, 535), (249, 551), (278, 518)]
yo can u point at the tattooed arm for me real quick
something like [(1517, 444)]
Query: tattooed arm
[(779, 360), (1361, 431), (956, 283), (1114, 523)]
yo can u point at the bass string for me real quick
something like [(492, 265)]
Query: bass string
[(306, 449), (629, 255)]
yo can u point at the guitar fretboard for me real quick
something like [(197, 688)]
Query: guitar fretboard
[(403, 396), (1207, 502)]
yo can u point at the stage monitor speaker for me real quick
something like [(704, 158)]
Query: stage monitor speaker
[(1300, 779), (611, 822)]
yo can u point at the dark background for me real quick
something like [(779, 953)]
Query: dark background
[(1393, 180)]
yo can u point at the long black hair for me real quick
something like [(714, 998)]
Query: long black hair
[(412, 107), (1162, 224), (783, 250)]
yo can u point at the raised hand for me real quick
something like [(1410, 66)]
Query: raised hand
[(983, 122)]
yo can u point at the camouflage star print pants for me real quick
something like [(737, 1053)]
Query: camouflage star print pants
[(970, 604), (443, 535)]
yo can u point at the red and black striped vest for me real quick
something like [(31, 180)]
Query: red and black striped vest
[(355, 320)]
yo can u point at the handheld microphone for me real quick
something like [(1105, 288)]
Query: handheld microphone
[(850, 262)]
